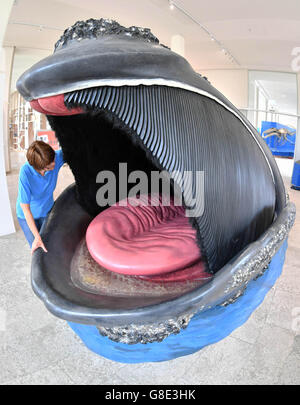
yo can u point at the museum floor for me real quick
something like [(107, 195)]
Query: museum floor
[(37, 348)]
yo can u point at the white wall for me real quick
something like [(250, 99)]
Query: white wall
[(233, 83), (6, 220), (7, 57)]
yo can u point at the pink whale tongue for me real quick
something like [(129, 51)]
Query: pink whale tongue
[(134, 237)]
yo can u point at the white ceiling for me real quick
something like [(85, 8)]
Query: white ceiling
[(259, 34)]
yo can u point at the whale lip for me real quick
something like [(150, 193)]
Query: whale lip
[(96, 62)]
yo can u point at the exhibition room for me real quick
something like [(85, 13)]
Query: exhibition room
[(150, 193)]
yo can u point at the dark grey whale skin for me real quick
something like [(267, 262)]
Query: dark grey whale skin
[(113, 57)]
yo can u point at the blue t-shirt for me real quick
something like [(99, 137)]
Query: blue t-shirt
[(37, 190)]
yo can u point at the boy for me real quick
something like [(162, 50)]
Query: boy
[(37, 181)]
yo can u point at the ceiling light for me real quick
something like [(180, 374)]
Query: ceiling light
[(171, 5)]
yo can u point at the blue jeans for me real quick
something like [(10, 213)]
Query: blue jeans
[(25, 228)]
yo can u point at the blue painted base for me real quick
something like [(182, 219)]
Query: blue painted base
[(204, 328), (296, 176), (284, 154)]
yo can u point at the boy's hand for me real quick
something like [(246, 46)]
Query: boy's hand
[(38, 243)]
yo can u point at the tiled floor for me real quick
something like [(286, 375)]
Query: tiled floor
[(37, 348)]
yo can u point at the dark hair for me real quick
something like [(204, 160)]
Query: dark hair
[(40, 155)]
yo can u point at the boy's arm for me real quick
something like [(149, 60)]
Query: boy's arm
[(32, 226)]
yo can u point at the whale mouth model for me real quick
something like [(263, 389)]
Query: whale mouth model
[(115, 96)]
